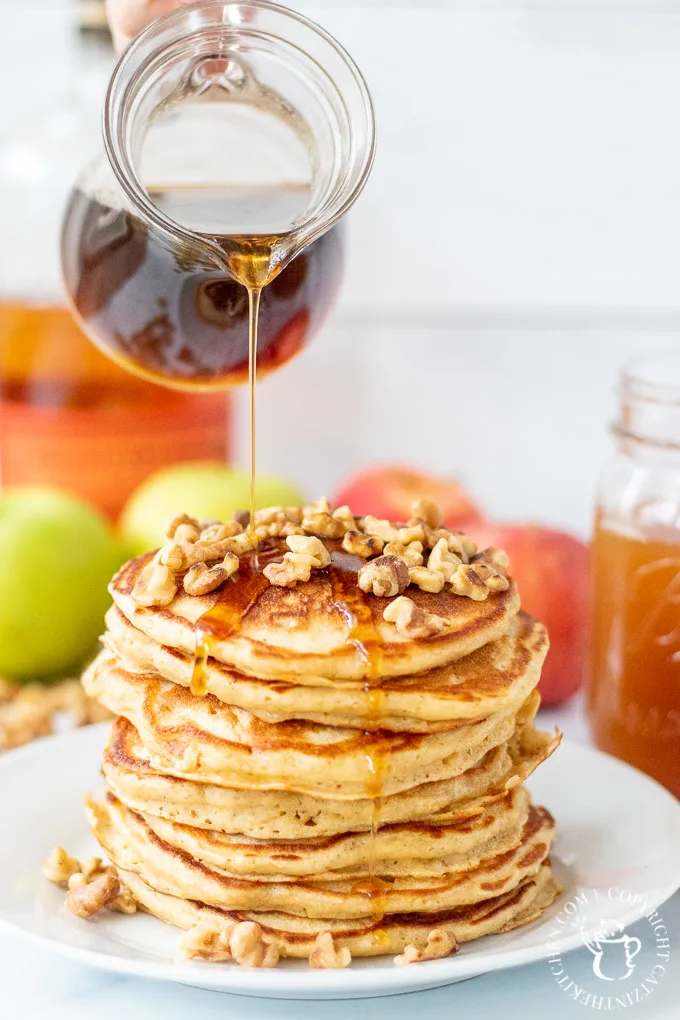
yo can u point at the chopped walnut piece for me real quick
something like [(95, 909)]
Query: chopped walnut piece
[(124, 903), (278, 529), (92, 867), (218, 532), (346, 518), (385, 576), (496, 558), (237, 545), (383, 529), (293, 567), (180, 556), (249, 948), (60, 866), (178, 521), (187, 534), (201, 579), (411, 533), (492, 578), (242, 517), (428, 512), (310, 546), (87, 900), (274, 522), (411, 554), (307, 553), (362, 545), (466, 581), (460, 544), (443, 560), (321, 506), (24, 718), (425, 579), (156, 585), (323, 523), (440, 943), (325, 955), (206, 941), (270, 515), (412, 621)]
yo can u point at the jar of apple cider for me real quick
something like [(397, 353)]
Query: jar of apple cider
[(633, 684)]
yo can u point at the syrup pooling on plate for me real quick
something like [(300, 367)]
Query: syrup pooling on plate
[(363, 636)]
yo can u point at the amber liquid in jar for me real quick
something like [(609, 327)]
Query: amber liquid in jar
[(633, 691)]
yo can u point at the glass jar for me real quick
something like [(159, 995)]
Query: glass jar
[(633, 683), (237, 135)]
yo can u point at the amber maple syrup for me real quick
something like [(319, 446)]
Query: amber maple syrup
[(363, 636), (178, 314)]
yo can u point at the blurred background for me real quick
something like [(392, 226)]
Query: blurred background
[(518, 238)]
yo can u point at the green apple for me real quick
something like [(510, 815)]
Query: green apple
[(57, 557), (204, 489)]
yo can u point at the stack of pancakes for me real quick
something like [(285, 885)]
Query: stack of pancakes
[(284, 755)]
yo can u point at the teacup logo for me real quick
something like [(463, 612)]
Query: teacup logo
[(620, 969), (613, 951)]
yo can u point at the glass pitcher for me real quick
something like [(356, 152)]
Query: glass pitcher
[(237, 135)]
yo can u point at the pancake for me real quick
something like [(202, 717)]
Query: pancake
[(363, 936), (495, 678), (267, 631), (441, 844), (287, 756), (275, 814), (132, 846), (204, 739)]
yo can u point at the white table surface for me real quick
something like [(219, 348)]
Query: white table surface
[(35, 985)]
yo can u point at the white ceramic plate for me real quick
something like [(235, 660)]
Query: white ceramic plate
[(618, 841)]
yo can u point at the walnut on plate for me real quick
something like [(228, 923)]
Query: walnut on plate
[(60, 866), (206, 941), (326, 956), (88, 899), (249, 948), (440, 943)]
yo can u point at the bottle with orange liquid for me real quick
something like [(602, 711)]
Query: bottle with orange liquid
[(633, 686), (68, 416)]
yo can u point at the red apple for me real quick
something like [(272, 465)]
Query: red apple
[(388, 492), (551, 571)]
